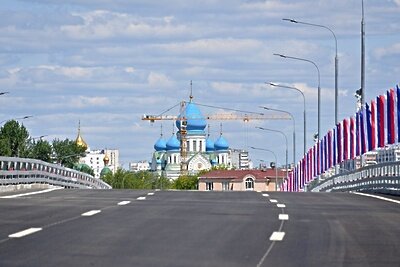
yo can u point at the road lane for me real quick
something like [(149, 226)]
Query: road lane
[(338, 229)]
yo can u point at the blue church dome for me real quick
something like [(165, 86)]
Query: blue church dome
[(160, 145), (173, 143), (209, 145), (221, 144), (195, 120)]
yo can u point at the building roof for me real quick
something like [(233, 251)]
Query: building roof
[(240, 174)]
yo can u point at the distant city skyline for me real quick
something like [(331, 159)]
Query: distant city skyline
[(106, 63)]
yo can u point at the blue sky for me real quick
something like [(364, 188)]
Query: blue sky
[(108, 62)]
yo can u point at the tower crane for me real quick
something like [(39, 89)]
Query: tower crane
[(182, 119)]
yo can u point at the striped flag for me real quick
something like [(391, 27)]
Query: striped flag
[(352, 127), (390, 117), (334, 156), (362, 133), (373, 124), (325, 152), (369, 130), (358, 127), (339, 142), (398, 112), (330, 149), (345, 139), (381, 120)]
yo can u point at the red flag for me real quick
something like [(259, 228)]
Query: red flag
[(381, 121)]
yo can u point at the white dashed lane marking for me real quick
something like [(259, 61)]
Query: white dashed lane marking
[(150, 194), (265, 195), (122, 203), (277, 236), (281, 205), (141, 198), (25, 232), (283, 217), (91, 213), (273, 200)]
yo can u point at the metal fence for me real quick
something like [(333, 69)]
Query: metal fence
[(17, 171), (379, 178)]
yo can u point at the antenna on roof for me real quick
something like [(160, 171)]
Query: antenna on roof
[(208, 128), (220, 125), (161, 131)]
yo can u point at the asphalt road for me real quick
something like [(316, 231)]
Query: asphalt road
[(159, 228)]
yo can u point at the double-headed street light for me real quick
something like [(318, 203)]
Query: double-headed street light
[(304, 110), (336, 60), (284, 135), (21, 118), (276, 164), (294, 128), (319, 86)]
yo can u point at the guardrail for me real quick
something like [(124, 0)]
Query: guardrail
[(17, 171), (378, 178)]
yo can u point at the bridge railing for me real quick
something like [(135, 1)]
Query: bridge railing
[(379, 178), (17, 171)]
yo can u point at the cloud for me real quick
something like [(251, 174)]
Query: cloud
[(392, 50)]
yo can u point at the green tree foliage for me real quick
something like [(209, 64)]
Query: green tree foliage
[(67, 152), (14, 139), (84, 168), (186, 182), (41, 150), (123, 179)]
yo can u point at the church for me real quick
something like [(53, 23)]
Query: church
[(202, 152)]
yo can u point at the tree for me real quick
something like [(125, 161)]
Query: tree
[(67, 152), (41, 150), (186, 182), (14, 139)]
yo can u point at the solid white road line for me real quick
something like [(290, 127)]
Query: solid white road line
[(141, 198), (277, 236), (265, 195), (91, 213), (150, 194), (281, 205), (273, 200), (122, 203), (283, 217), (378, 197), (33, 193), (25, 232)]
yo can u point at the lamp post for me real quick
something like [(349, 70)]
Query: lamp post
[(3, 93), (304, 111), (362, 55), (294, 129), (276, 164), (21, 118), (319, 86), (284, 135), (336, 60)]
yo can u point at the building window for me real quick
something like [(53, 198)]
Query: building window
[(209, 186), (201, 146), (225, 186), (249, 184)]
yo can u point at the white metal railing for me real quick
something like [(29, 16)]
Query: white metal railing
[(381, 178), (14, 171)]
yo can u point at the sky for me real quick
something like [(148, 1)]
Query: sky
[(105, 63)]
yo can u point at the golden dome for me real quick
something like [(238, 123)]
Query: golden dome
[(106, 159), (79, 140)]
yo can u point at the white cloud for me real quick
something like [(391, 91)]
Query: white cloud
[(159, 80), (392, 50)]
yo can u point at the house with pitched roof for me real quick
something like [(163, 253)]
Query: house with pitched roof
[(242, 180)]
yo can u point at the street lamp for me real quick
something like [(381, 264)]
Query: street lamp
[(294, 129), (284, 135), (21, 118), (336, 60), (3, 93), (276, 164), (304, 111), (319, 86)]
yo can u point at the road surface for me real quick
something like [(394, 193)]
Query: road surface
[(188, 228)]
